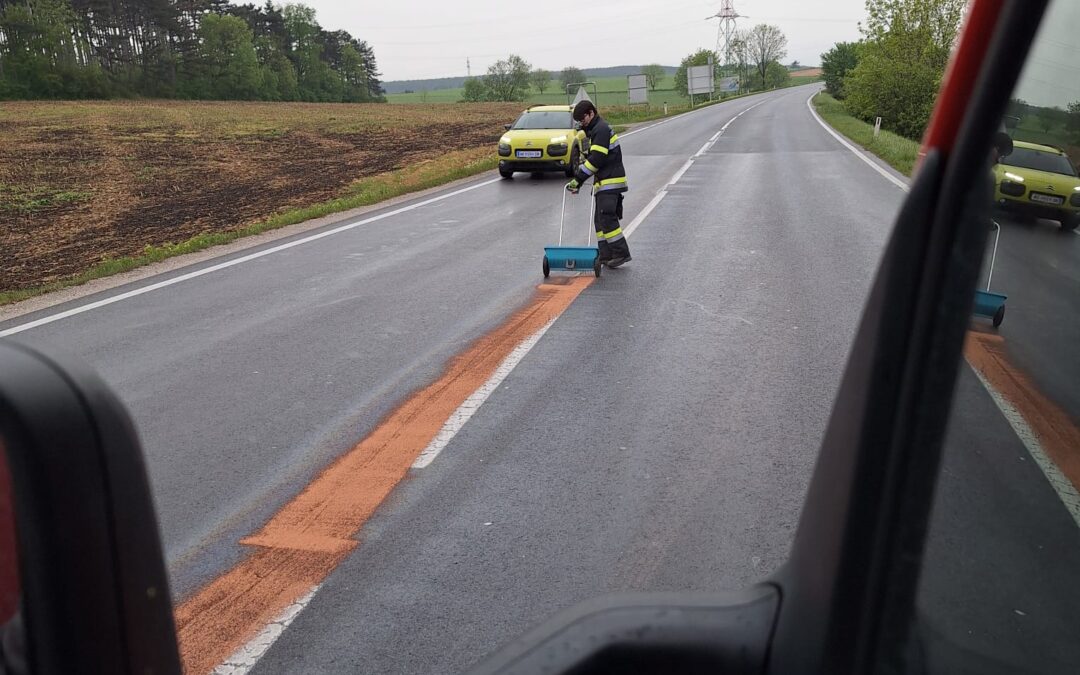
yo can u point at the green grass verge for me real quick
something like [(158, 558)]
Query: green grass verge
[(364, 192), (899, 152)]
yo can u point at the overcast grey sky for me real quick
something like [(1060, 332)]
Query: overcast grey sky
[(416, 39)]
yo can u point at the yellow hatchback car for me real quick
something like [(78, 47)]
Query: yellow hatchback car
[(542, 139), (1041, 181)]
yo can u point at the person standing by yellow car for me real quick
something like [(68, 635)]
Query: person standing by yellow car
[(604, 165)]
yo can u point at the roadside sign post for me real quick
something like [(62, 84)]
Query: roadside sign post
[(699, 80), (877, 127), (637, 89)]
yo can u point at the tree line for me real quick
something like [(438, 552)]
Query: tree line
[(510, 79), (192, 49)]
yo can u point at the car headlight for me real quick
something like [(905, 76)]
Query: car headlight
[(504, 149), (1014, 178), (1075, 199), (557, 150), (559, 140), (1011, 189)]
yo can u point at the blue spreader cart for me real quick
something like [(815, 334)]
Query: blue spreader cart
[(571, 258), (988, 304)]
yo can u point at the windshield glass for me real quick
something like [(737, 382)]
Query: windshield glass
[(392, 431), (1027, 158), (544, 120)]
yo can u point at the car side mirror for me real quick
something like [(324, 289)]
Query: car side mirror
[(1003, 143), (90, 584), (507, 126)]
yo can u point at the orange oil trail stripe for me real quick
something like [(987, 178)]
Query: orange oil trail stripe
[(1056, 432), (305, 540)]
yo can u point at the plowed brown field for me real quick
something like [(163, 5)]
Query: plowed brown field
[(81, 182)]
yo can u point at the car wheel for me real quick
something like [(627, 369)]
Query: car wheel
[(1070, 222), (575, 160), (506, 173)]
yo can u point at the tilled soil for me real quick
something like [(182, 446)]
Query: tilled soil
[(82, 182)]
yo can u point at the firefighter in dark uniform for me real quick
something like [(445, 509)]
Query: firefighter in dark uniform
[(604, 165)]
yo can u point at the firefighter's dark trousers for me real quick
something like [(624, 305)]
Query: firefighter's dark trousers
[(609, 235)]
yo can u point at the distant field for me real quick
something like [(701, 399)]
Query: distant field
[(610, 91), (82, 182)]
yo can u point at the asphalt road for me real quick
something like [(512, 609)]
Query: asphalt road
[(658, 437)]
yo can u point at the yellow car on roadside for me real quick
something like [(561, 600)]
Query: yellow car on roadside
[(1039, 180), (542, 139)]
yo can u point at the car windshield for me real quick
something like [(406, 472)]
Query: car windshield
[(1026, 158), (544, 119)]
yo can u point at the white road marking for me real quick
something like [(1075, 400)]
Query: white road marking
[(237, 261), (469, 406), (679, 174), (629, 229), (858, 153), (1062, 485), (245, 658)]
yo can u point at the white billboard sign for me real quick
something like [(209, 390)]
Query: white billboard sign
[(637, 86), (699, 79)]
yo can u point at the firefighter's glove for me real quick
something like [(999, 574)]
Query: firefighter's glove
[(573, 186)]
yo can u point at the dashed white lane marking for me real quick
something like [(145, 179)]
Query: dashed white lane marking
[(629, 229), (679, 174), (245, 658), (858, 153), (1062, 485), (469, 406)]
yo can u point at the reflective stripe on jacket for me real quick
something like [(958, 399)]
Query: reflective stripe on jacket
[(604, 163)]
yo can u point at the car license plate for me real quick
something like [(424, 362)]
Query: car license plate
[(1046, 199), (530, 154)]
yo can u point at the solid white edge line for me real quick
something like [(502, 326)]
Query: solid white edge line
[(858, 153), (237, 261), (1064, 488), (245, 658), (469, 406)]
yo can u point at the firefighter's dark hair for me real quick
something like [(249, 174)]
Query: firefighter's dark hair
[(582, 108)]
